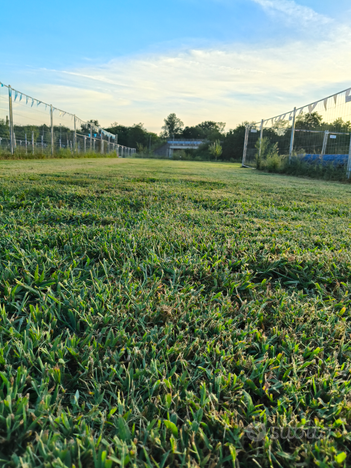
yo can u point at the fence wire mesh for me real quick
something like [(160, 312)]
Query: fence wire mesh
[(33, 127), (318, 133)]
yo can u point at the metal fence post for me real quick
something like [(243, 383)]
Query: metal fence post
[(52, 129), (91, 138), (85, 144), (247, 129), (261, 136), (75, 135), (12, 145), (349, 161), (292, 139), (33, 143), (325, 142), (102, 144), (108, 145), (25, 141)]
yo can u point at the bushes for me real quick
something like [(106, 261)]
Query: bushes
[(298, 167), (46, 154), (270, 160)]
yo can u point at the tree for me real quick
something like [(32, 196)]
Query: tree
[(339, 125), (134, 135), (210, 127), (215, 149), (233, 143), (85, 127), (4, 129), (311, 121), (193, 133), (208, 130), (173, 126)]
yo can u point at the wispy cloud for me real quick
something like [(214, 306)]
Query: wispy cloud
[(231, 83), (293, 12)]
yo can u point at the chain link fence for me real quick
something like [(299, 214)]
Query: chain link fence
[(317, 133), (32, 127)]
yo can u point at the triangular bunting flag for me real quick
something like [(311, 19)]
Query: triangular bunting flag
[(311, 107), (326, 104), (16, 94), (32, 103), (348, 97), (335, 98)]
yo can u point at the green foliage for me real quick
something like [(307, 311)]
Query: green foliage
[(271, 161), (266, 154), (62, 153), (233, 143), (215, 149), (152, 313), (297, 167), (339, 125), (173, 126), (134, 136), (4, 129), (86, 127), (205, 131), (311, 121)]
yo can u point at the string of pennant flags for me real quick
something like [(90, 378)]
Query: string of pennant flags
[(312, 141), (29, 100), (310, 107)]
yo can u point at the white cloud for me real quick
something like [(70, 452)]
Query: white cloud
[(293, 12), (232, 83)]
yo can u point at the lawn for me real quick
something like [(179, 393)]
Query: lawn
[(168, 313)]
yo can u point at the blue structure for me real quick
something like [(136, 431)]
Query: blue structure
[(336, 159)]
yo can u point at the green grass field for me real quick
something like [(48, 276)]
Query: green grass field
[(163, 313)]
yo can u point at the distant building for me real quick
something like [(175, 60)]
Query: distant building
[(176, 145)]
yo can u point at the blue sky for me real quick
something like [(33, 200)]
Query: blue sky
[(137, 61)]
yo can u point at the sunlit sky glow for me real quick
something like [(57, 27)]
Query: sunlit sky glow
[(137, 61)]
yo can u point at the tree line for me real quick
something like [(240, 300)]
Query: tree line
[(217, 143)]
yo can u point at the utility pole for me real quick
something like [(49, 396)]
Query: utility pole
[(12, 143), (247, 130), (325, 143), (75, 135), (52, 129), (261, 136), (292, 135)]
